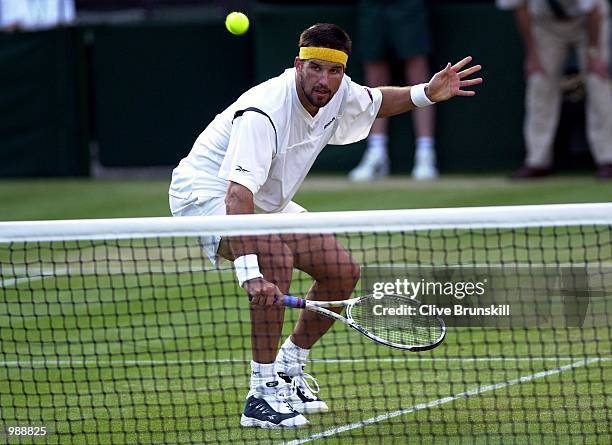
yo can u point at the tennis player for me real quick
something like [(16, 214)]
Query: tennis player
[(253, 158)]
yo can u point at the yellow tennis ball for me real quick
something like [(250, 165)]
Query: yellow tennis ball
[(237, 23)]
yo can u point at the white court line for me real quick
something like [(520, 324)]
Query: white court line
[(84, 363), (442, 401), (13, 281), (43, 274)]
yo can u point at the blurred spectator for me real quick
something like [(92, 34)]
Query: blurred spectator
[(35, 15), (549, 28), (399, 27)]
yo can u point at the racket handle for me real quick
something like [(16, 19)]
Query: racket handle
[(294, 302)]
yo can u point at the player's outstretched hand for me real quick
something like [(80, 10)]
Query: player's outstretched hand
[(451, 80), (263, 293)]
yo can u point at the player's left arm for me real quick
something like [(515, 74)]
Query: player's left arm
[(444, 85)]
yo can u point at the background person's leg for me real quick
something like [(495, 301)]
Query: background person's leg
[(375, 160), (543, 99), (417, 71)]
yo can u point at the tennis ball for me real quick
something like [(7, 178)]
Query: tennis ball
[(237, 23)]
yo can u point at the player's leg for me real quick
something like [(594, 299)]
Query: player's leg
[(335, 273), (276, 264), (265, 405), (267, 400), (275, 261)]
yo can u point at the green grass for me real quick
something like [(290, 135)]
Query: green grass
[(160, 359), (103, 351), (108, 198)]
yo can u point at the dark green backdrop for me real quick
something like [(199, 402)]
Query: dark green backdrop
[(42, 130), (157, 87), (145, 91)]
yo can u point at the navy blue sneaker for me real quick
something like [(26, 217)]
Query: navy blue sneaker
[(270, 411)]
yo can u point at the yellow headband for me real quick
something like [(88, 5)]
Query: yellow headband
[(327, 54)]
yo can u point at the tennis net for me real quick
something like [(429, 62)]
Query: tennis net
[(122, 331)]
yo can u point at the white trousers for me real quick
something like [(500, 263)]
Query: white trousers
[(543, 97)]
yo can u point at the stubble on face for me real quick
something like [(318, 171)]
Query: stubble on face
[(318, 93)]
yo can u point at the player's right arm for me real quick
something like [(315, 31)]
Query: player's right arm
[(246, 165), (239, 201)]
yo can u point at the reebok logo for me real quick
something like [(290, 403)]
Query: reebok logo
[(241, 169), (329, 123)]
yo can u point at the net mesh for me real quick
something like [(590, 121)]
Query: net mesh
[(392, 320), (139, 339)]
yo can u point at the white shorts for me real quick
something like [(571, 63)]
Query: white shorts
[(201, 206)]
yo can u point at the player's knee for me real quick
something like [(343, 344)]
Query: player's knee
[(349, 274)]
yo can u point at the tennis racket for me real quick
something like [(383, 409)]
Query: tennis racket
[(392, 320)]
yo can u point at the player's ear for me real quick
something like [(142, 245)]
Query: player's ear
[(297, 63)]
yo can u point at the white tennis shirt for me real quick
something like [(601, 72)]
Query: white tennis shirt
[(270, 151)]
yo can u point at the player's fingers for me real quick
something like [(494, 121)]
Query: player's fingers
[(273, 300), (457, 66), (470, 82), (278, 296), (466, 93), (262, 292), (471, 70)]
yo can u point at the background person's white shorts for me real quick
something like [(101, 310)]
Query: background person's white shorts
[(202, 206)]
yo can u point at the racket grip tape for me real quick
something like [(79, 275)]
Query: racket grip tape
[(294, 302)]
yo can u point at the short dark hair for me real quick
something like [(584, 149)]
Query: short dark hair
[(326, 35)]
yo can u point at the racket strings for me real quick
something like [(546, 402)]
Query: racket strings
[(408, 328)]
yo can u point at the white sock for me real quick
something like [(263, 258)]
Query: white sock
[(377, 146), (263, 377), (291, 358), (425, 152)]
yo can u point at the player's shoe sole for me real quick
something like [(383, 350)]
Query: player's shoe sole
[(314, 407), (256, 423)]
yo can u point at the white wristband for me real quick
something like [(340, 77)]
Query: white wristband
[(418, 96), (247, 268)]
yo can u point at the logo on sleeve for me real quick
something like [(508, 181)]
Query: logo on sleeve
[(329, 123), (241, 169)]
